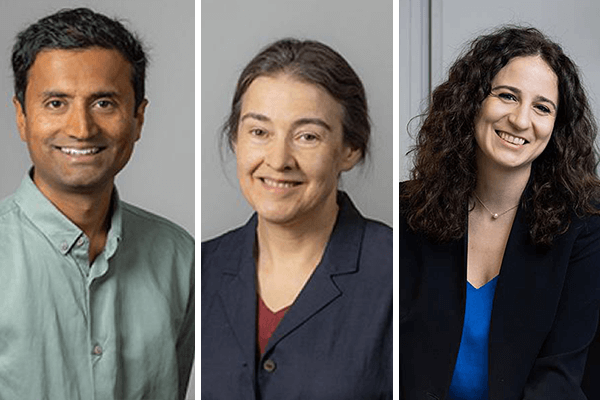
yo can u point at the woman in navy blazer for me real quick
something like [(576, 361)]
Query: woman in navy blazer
[(503, 193), (297, 303)]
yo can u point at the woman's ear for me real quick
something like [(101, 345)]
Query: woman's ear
[(350, 157)]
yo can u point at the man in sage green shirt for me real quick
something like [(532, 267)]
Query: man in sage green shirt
[(97, 295)]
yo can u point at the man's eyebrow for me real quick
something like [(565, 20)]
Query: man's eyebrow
[(54, 93), (108, 93), (95, 95), (297, 123), (518, 91)]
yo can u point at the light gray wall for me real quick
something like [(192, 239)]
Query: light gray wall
[(414, 80), (160, 175), (573, 24), (234, 31)]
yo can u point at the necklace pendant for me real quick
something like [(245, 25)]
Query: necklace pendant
[(495, 216)]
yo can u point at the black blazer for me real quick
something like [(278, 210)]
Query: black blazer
[(544, 316), (335, 342)]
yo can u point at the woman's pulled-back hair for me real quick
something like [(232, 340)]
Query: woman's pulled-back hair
[(563, 178), (315, 63)]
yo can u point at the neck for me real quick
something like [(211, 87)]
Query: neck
[(299, 244), (500, 188), (89, 211)]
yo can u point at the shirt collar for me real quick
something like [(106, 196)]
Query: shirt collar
[(57, 228)]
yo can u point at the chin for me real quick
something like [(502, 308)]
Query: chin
[(277, 216), (86, 185)]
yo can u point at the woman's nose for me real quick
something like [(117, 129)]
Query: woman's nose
[(520, 117), (280, 155)]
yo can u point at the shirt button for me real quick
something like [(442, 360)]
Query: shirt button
[(64, 246), (97, 350), (80, 241), (269, 365)]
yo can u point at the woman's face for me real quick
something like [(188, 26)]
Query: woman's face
[(290, 150), (516, 120)]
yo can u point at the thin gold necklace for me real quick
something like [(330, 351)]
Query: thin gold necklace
[(494, 215)]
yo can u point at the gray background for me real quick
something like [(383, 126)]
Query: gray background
[(160, 175), (234, 31), (438, 40)]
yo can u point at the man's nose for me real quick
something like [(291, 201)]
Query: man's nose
[(80, 124)]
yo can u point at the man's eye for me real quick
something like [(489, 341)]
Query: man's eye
[(104, 103), (55, 104)]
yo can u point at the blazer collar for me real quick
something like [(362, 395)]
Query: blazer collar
[(340, 257), (239, 292), (524, 293)]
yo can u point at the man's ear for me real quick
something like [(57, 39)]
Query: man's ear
[(20, 118), (350, 157), (139, 118)]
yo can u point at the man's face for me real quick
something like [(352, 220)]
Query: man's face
[(79, 121)]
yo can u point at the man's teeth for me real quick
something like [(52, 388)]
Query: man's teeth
[(80, 152), (279, 184), (510, 138)]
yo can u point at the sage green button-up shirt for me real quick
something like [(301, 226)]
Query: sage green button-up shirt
[(119, 329)]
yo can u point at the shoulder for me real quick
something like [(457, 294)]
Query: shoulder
[(152, 227), (224, 252), (378, 234), (7, 207), (351, 225), (225, 242), (586, 231), (376, 255)]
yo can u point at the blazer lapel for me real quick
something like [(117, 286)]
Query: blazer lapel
[(238, 291), (525, 293), (340, 257)]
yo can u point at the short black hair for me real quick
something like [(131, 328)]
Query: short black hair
[(78, 28)]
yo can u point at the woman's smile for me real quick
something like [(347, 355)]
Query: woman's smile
[(289, 149), (514, 140), (516, 120)]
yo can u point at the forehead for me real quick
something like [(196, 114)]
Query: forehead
[(80, 70), (529, 74), (284, 97)]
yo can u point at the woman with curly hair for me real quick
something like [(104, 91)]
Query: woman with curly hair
[(500, 229)]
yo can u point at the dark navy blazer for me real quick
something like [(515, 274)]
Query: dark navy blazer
[(335, 342), (544, 315)]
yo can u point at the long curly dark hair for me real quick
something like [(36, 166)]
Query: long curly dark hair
[(443, 179)]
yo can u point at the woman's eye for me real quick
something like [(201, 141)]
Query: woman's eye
[(507, 96), (308, 137), (258, 132), (543, 109)]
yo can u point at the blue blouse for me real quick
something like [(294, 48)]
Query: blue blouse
[(470, 379)]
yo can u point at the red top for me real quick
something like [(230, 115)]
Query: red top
[(267, 322)]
